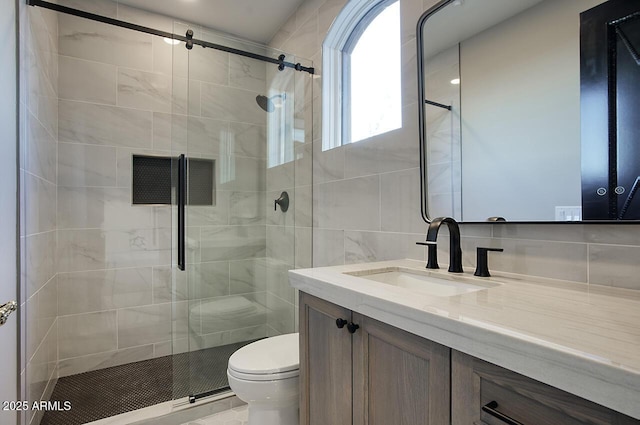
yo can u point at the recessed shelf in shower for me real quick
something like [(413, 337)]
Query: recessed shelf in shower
[(154, 179)]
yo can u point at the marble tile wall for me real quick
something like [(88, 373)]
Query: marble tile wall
[(227, 277), (365, 196), (122, 93), (112, 90), (355, 220), (38, 162), (289, 233)]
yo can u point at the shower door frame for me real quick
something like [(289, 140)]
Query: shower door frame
[(189, 41), (275, 123)]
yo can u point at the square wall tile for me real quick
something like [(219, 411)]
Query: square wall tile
[(40, 266), (208, 280), (84, 334), (209, 65), (144, 90), (95, 41), (247, 73), (556, 260), (106, 208), (248, 276), (103, 360), (144, 325), (248, 139), (87, 81), (83, 292), (222, 243), (81, 122), (41, 157), (400, 202), (280, 314), (247, 208), (40, 204), (231, 104), (169, 284), (364, 247), (93, 249), (328, 247), (278, 280), (86, 165), (615, 266), (351, 204)]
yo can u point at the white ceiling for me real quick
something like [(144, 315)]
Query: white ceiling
[(470, 17), (255, 20)]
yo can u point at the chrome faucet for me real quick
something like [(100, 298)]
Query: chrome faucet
[(455, 252)]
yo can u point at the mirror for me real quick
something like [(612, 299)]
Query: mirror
[(527, 113)]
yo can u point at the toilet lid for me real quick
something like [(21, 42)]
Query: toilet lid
[(267, 356)]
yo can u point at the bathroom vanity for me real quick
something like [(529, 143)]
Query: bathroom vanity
[(393, 343)]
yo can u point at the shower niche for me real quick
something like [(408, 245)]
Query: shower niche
[(154, 180)]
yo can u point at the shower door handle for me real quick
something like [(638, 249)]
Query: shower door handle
[(182, 200)]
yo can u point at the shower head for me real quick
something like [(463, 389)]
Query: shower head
[(267, 104)]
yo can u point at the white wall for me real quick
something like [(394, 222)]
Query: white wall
[(521, 114)]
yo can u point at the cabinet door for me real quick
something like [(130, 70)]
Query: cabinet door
[(398, 378), (325, 363), (476, 383)]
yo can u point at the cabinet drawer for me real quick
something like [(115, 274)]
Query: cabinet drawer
[(476, 383)]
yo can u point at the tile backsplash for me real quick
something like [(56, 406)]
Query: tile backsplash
[(366, 195)]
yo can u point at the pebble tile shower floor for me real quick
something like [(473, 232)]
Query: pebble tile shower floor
[(115, 390)]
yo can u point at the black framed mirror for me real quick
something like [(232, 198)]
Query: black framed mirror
[(528, 110)]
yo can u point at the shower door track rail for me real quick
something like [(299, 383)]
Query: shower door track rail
[(282, 64)]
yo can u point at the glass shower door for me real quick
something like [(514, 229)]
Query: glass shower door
[(234, 122)]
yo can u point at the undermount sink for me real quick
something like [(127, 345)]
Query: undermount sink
[(424, 281)]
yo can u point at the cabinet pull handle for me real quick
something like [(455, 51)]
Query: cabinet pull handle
[(491, 407), (340, 323), (352, 328)]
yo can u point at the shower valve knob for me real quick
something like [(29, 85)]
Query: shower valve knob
[(340, 323), (352, 328), (283, 201)]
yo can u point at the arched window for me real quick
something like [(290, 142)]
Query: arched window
[(361, 71)]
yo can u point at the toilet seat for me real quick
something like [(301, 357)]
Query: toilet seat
[(264, 376), (269, 359)]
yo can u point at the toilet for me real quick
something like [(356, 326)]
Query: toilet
[(264, 374)]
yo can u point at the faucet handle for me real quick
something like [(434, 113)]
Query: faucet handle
[(482, 261), (432, 254)]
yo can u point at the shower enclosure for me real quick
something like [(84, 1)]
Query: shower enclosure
[(241, 120), (166, 250)]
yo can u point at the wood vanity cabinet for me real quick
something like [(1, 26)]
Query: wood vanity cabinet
[(476, 383), (377, 375)]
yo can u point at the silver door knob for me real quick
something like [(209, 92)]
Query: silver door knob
[(6, 310)]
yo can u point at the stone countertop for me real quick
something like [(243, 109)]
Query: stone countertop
[(584, 339)]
